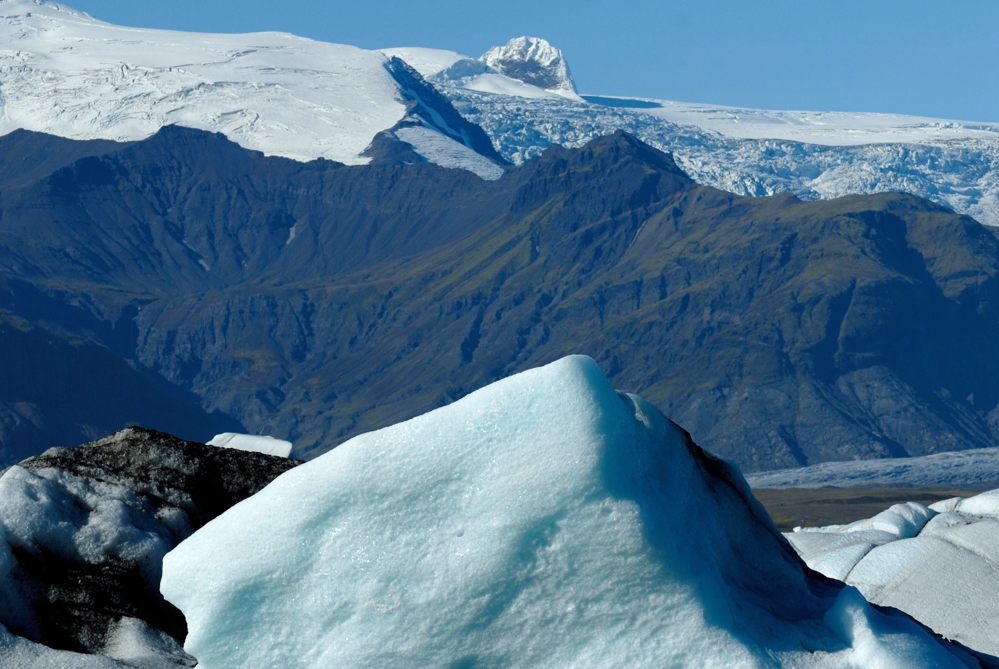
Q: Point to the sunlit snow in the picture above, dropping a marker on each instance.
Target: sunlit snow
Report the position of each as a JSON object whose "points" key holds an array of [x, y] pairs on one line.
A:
{"points": [[68, 74]]}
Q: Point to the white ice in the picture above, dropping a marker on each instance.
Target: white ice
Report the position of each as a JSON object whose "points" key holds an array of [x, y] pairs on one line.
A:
{"points": [[19, 653], [252, 442], [937, 563], [544, 520]]}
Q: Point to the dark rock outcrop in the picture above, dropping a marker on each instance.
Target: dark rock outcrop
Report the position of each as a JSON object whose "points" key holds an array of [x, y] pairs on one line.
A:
{"points": [[83, 532]]}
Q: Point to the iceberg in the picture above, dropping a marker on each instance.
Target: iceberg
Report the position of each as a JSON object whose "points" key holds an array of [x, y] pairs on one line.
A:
{"points": [[545, 520], [936, 563]]}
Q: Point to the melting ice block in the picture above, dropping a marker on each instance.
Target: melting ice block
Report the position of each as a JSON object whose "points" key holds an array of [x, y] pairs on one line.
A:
{"points": [[936, 563], [545, 520], [252, 442]]}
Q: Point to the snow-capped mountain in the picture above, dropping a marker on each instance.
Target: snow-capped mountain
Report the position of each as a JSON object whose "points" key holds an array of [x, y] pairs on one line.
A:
{"points": [[525, 72], [66, 73]]}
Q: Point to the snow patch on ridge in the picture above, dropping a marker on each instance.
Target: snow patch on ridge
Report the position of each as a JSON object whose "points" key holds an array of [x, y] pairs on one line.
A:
{"points": [[427, 62], [542, 521], [446, 152]]}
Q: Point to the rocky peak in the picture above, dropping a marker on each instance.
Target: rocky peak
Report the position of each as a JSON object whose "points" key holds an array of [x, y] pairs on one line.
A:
{"points": [[534, 61]]}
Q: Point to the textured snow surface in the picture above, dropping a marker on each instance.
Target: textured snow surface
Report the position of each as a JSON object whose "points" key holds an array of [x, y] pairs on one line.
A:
{"points": [[19, 653], [937, 563], [818, 127], [252, 442], [542, 521], [80, 520], [976, 469], [66, 73], [445, 152]]}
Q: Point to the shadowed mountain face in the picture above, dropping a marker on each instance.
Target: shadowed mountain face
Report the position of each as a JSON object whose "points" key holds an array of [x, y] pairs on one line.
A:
{"points": [[313, 301]]}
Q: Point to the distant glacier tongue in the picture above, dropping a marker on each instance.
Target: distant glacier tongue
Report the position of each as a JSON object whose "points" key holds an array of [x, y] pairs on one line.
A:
{"points": [[542, 521]]}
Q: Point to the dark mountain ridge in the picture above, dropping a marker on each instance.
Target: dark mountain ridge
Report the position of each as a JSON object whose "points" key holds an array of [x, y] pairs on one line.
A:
{"points": [[316, 300]]}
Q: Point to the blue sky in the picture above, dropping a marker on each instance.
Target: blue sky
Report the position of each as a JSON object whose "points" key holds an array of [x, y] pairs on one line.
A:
{"points": [[918, 57]]}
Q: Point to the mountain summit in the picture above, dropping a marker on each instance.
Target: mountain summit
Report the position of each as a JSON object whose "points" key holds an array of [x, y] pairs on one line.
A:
{"points": [[534, 61]]}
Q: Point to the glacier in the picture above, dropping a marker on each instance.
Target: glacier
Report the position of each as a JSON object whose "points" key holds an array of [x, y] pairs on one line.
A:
{"points": [[544, 520], [66, 73], [973, 469], [812, 155], [936, 563]]}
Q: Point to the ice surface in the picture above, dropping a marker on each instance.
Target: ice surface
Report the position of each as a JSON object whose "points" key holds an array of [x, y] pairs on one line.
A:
{"points": [[447, 153], [986, 504], [971, 469], [252, 442], [939, 564], [544, 520], [19, 653], [901, 521], [135, 643]]}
